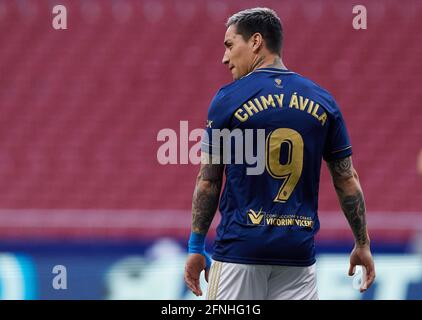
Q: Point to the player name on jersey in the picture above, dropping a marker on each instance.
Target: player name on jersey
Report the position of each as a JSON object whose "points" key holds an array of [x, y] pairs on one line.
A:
{"points": [[262, 103]]}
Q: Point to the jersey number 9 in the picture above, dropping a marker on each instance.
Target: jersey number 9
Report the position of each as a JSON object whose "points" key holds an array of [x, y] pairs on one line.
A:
{"points": [[291, 168]]}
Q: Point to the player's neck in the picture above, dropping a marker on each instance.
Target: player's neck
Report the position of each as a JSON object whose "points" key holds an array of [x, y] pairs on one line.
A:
{"points": [[267, 61], [273, 61]]}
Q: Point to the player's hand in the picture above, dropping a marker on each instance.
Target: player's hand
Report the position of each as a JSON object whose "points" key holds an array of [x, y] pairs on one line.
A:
{"points": [[361, 255], [195, 263]]}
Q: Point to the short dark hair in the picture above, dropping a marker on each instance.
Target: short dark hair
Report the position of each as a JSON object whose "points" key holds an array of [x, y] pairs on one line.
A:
{"points": [[262, 20]]}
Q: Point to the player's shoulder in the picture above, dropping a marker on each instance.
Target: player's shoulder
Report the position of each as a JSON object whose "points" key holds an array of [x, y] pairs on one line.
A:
{"points": [[310, 88], [229, 94], [237, 86]]}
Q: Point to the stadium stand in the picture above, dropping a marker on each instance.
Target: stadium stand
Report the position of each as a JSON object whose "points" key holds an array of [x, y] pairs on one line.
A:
{"points": [[81, 109]]}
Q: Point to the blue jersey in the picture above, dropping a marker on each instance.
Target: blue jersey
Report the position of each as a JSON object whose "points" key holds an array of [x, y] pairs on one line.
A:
{"points": [[272, 217]]}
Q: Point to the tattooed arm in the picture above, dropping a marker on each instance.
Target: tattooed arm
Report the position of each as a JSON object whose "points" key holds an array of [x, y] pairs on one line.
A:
{"points": [[206, 195], [350, 195], [204, 205]]}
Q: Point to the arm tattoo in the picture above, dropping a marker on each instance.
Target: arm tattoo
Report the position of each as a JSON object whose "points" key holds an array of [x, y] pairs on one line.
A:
{"points": [[341, 168], [206, 196], [351, 197], [354, 209]]}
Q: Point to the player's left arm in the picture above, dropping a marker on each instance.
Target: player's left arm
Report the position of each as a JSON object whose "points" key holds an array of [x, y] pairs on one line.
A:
{"points": [[350, 195], [204, 206]]}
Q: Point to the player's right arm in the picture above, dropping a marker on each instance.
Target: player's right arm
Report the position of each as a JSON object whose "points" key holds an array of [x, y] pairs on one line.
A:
{"points": [[207, 192], [204, 206], [350, 195]]}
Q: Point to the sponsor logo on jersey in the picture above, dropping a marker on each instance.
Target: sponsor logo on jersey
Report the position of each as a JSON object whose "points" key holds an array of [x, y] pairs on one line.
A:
{"points": [[256, 217], [262, 218]]}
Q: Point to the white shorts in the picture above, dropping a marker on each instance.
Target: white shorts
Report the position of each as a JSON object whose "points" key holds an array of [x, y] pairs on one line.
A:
{"points": [[233, 281]]}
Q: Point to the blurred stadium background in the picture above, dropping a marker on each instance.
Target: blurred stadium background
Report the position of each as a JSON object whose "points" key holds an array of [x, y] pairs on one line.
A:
{"points": [[80, 184]]}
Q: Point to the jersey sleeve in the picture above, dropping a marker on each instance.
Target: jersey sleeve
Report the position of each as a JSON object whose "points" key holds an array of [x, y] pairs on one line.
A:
{"points": [[218, 120], [337, 144]]}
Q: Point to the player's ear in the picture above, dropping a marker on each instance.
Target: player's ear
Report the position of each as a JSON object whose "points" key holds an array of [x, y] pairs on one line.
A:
{"points": [[257, 41]]}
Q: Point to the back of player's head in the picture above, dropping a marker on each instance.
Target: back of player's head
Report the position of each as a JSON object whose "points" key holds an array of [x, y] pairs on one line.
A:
{"points": [[262, 20]]}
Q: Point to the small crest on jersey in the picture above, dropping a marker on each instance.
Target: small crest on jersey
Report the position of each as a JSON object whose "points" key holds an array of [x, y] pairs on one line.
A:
{"points": [[255, 217], [278, 83]]}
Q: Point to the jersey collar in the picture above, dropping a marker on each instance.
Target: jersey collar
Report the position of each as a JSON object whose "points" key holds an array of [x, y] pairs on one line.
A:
{"points": [[283, 71]]}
